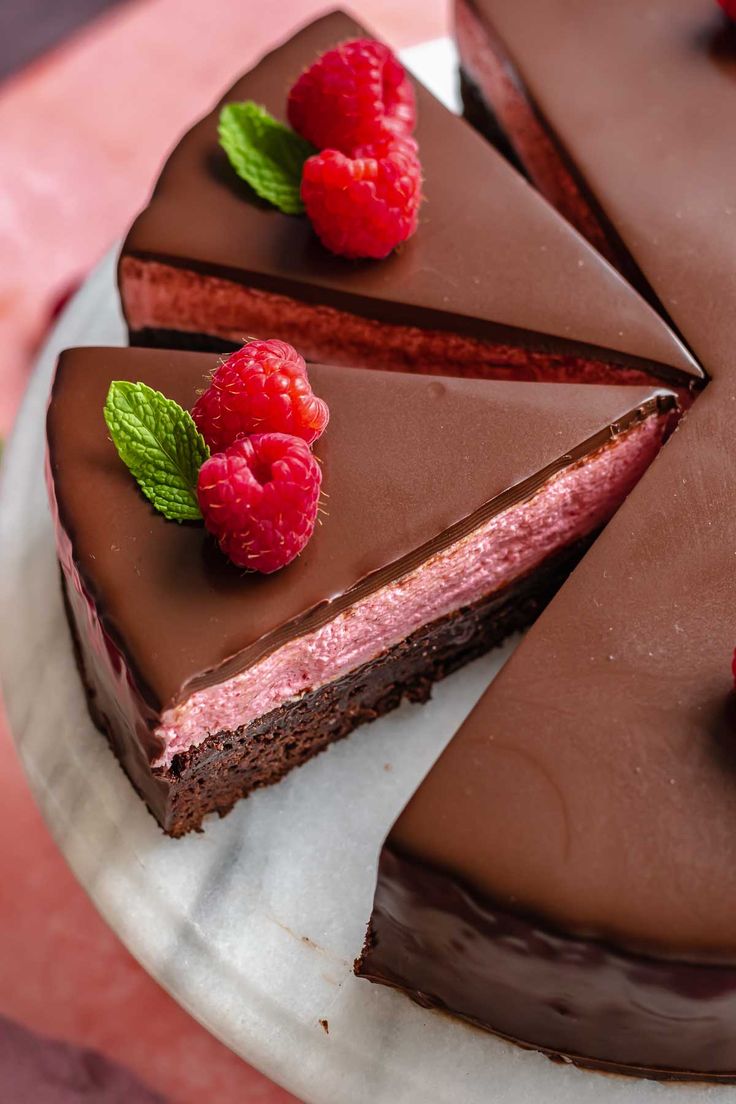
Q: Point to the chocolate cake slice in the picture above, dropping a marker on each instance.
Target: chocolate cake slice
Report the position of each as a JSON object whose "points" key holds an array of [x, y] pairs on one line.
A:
{"points": [[626, 125], [455, 509], [566, 875], [494, 283]]}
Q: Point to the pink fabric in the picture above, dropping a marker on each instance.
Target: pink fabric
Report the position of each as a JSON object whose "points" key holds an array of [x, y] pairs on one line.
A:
{"points": [[82, 133], [45, 1071], [572, 504]]}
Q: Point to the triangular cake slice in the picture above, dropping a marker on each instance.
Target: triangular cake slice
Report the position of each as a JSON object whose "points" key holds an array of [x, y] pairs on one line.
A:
{"points": [[455, 509], [566, 874], [494, 283], [623, 115]]}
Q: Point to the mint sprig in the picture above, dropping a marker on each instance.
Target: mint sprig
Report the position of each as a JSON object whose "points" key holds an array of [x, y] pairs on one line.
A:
{"points": [[265, 153], [160, 444]]}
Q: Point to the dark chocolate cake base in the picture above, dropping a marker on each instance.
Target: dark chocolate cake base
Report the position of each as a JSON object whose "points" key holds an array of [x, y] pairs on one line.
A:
{"points": [[227, 766], [150, 338]]}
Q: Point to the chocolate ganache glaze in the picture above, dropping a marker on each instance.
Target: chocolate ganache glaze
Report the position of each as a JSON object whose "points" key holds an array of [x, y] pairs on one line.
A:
{"points": [[159, 613], [493, 281], [566, 874], [638, 98]]}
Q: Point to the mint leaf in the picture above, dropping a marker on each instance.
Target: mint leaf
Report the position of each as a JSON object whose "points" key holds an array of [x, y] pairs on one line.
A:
{"points": [[160, 444], [265, 153]]}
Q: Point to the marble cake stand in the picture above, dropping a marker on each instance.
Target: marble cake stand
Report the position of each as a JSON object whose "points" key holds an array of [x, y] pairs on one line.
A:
{"points": [[253, 925]]}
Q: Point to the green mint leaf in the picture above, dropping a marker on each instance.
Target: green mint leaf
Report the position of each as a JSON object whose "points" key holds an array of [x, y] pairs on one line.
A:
{"points": [[265, 153], [160, 444]]}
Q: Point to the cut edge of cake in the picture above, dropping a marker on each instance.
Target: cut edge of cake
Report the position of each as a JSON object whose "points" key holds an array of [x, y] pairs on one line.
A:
{"points": [[198, 730], [563, 876], [526, 299]]}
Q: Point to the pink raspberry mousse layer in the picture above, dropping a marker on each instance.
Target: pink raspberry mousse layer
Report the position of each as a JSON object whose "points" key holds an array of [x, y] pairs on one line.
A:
{"points": [[162, 297], [487, 65], [569, 506]]}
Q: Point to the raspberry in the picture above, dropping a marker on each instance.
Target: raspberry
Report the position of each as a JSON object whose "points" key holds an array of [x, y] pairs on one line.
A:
{"points": [[729, 7], [272, 349], [352, 96], [261, 388], [366, 205], [259, 499]]}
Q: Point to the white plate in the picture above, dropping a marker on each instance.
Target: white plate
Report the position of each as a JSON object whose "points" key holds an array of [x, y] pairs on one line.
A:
{"points": [[253, 925]]}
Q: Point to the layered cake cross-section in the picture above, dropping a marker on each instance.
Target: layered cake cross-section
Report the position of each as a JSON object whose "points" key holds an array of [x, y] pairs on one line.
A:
{"points": [[626, 126], [455, 509], [565, 874], [493, 283]]}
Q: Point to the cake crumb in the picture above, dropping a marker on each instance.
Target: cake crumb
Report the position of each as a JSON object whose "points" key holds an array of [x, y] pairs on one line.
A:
{"points": [[325, 1026]]}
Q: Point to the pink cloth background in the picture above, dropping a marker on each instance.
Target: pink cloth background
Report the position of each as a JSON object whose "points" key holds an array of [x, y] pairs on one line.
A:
{"points": [[82, 133]]}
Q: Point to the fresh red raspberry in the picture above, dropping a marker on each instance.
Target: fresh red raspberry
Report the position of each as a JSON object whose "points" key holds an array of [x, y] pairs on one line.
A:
{"points": [[261, 388], [352, 96], [259, 499], [367, 205], [729, 7], [271, 350]]}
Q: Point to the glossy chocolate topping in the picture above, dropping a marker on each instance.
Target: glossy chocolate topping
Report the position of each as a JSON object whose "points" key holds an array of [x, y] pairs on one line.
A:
{"points": [[539, 986], [585, 813], [650, 120], [642, 96], [409, 463], [594, 785], [490, 258], [592, 795]]}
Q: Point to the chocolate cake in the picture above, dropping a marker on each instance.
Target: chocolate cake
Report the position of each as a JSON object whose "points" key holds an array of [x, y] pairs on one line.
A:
{"points": [[626, 126], [493, 283], [565, 876], [455, 509]]}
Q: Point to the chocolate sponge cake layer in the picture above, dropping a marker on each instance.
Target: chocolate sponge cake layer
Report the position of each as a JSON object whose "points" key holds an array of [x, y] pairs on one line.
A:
{"points": [[227, 766]]}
